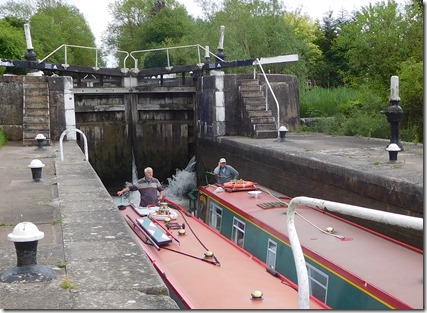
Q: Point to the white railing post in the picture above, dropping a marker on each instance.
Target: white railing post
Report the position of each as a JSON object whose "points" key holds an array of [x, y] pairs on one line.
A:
{"points": [[62, 138], [257, 62]]}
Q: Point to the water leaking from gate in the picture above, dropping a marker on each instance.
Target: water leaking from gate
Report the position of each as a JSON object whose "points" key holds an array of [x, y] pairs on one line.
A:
{"points": [[177, 187]]}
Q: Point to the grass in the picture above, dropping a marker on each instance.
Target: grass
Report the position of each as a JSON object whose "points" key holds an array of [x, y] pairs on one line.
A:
{"points": [[355, 112], [57, 221], [62, 265], [3, 139], [67, 284]]}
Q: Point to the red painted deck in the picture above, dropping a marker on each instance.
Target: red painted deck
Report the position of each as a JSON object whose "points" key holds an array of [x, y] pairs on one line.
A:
{"points": [[380, 264], [205, 286]]}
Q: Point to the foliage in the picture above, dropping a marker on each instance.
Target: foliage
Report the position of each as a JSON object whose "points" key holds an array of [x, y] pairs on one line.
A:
{"points": [[63, 23], [66, 283], [356, 112], [3, 139], [411, 90], [22, 10], [327, 102], [12, 44], [375, 43], [53, 23], [331, 63]]}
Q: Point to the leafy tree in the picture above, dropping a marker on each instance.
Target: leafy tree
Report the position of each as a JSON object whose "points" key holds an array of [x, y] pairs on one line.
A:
{"points": [[47, 37], [22, 10], [69, 25], [12, 43], [146, 24], [412, 93], [375, 44], [332, 63]]}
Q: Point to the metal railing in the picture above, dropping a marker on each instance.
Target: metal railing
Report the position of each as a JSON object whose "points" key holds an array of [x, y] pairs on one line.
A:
{"points": [[405, 221], [255, 63], [61, 149], [66, 65], [167, 49], [200, 49]]}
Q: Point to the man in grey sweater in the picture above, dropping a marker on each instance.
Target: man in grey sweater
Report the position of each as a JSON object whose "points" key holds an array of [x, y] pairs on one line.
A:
{"points": [[224, 172]]}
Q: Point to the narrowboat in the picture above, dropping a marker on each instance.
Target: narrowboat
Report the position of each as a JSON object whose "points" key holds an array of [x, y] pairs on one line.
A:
{"points": [[344, 264], [202, 268]]}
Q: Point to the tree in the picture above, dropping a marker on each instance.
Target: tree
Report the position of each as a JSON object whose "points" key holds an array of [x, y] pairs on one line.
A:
{"points": [[332, 63], [12, 43], [412, 95], [147, 24], [375, 44], [62, 22], [22, 10]]}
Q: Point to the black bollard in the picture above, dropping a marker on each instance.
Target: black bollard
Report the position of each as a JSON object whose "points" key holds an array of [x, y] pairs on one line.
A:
{"points": [[282, 133], [25, 236], [36, 169], [394, 115], [39, 139]]}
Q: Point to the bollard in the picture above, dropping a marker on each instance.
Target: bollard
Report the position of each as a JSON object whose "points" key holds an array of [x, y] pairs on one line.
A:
{"points": [[394, 115], [393, 149], [36, 169], [282, 132], [25, 236], [40, 138]]}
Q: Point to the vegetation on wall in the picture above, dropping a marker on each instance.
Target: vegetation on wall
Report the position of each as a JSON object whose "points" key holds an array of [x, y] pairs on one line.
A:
{"points": [[3, 139], [352, 56]]}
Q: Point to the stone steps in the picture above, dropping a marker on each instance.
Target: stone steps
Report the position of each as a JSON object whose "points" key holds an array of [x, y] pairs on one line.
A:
{"points": [[263, 124], [36, 115]]}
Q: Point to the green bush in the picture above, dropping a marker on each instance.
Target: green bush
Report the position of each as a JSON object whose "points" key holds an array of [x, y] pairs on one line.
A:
{"points": [[355, 112]]}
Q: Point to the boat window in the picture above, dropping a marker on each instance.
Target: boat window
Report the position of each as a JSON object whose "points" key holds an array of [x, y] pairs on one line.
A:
{"points": [[271, 253], [318, 282], [238, 233], [215, 216]]}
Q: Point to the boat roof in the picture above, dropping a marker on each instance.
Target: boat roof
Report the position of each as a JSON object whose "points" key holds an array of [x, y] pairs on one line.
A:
{"points": [[205, 285], [373, 261]]}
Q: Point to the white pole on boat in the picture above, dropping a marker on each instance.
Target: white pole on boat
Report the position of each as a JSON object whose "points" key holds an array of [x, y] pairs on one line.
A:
{"points": [[405, 221]]}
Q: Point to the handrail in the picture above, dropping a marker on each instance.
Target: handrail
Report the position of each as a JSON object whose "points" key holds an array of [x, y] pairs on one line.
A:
{"points": [[62, 138], [65, 65], [206, 49], [124, 69], [405, 221], [257, 62]]}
